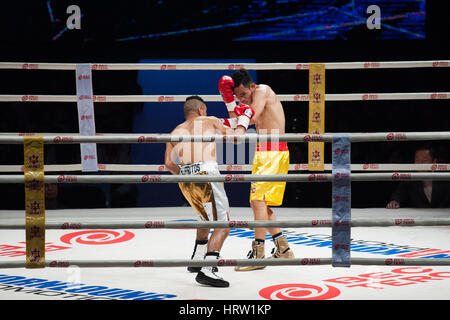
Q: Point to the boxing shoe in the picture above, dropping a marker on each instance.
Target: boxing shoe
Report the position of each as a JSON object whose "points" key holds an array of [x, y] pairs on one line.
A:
{"points": [[281, 249], [257, 252], [208, 277], [198, 253]]}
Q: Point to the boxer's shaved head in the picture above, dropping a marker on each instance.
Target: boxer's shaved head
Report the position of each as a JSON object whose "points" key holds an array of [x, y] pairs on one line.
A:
{"points": [[192, 104]]}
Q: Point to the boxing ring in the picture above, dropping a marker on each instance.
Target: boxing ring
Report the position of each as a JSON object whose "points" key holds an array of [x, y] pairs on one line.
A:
{"points": [[110, 254]]}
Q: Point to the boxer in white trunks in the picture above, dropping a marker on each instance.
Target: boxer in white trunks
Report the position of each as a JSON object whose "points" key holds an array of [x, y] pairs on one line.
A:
{"points": [[208, 199]]}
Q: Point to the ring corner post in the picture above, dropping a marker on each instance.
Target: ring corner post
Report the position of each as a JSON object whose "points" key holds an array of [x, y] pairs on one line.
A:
{"points": [[34, 201], [341, 201]]}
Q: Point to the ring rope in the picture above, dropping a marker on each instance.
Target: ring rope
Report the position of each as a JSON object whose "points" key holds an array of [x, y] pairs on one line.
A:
{"points": [[229, 262], [288, 137], [218, 98], [150, 178], [235, 167], [297, 223], [228, 66]]}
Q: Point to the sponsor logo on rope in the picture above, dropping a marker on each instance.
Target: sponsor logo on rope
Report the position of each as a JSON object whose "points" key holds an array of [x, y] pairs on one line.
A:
{"points": [[154, 224], [310, 261], [234, 168], [151, 178], [143, 263], [396, 136], [99, 67], [401, 176], [302, 66], [321, 222], [59, 139], [312, 137], [368, 65], [439, 167], [226, 262], [30, 98], [68, 178], [373, 166], [99, 99], [369, 97], [30, 66], [440, 64], [144, 139], [301, 97], [59, 264], [317, 177], [438, 96], [301, 166], [168, 67], [235, 66], [71, 225], [232, 224], [166, 99], [234, 177], [404, 221]]}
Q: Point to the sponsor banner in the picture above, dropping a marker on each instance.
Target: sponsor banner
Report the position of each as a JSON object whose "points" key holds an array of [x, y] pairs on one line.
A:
{"points": [[97, 237], [299, 291], [86, 118], [34, 201], [337, 287], [357, 245], [71, 240], [72, 290], [316, 115]]}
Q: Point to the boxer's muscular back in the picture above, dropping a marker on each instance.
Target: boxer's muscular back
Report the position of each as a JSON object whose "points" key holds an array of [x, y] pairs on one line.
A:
{"points": [[192, 152]]}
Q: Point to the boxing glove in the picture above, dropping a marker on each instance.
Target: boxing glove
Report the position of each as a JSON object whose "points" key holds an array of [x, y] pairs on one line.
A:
{"points": [[226, 86], [244, 114]]}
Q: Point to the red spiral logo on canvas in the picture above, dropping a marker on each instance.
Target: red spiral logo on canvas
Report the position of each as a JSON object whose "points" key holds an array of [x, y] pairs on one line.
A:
{"points": [[97, 237], [299, 291]]}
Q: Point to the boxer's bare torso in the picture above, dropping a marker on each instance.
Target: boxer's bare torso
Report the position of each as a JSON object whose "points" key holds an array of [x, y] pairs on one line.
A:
{"points": [[269, 115]]}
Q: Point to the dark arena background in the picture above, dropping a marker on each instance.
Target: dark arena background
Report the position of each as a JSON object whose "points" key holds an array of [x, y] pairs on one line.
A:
{"points": [[221, 31]]}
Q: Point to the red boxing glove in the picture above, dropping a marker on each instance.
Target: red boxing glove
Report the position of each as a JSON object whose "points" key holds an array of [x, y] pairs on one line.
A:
{"points": [[226, 86], [244, 114]]}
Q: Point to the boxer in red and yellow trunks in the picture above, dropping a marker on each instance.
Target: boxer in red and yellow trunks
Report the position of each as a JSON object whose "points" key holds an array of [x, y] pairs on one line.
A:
{"points": [[271, 158]]}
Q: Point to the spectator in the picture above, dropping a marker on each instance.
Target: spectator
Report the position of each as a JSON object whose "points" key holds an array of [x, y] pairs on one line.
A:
{"points": [[421, 194]]}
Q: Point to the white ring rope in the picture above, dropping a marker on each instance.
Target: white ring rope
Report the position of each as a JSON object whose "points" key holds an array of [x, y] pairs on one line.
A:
{"points": [[149, 178], [234, 167], [297, 223], [218, 98], [229, 66], [288, 137], [228, 262]]}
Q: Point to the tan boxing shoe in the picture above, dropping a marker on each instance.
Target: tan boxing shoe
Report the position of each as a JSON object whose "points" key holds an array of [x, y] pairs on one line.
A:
{"points": [[282, 249], [257, 252]]}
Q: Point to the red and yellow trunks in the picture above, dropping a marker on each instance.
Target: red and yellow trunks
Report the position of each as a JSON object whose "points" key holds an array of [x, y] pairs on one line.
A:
{"points": [[270, 158]]}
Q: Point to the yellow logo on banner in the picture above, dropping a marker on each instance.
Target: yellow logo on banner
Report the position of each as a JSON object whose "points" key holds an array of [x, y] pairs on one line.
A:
{"points": [[34, 201], [316, 115]]}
